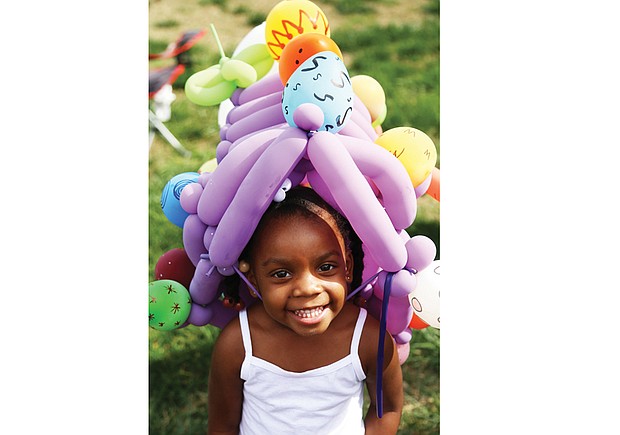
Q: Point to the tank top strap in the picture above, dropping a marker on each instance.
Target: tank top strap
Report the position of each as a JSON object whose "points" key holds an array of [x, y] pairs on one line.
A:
{"points": [[246, 371], [245, 332], [355, 342]]}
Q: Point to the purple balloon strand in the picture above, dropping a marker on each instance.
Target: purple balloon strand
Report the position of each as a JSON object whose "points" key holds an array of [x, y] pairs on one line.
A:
{"points": [[381, 349]]}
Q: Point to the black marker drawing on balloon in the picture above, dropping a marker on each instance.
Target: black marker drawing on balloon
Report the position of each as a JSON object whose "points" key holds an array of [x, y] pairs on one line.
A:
{"points": [[341, 83], [317, 76], [315, 62], [339, 122], [297, 85], [325, 97]]}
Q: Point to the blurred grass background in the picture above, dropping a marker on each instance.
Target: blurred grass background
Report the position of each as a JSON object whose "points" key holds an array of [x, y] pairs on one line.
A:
{"points": [[394, 41]]}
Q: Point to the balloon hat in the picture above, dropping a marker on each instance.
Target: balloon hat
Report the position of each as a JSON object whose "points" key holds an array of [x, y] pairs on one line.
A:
{"points": [[305, 124]]}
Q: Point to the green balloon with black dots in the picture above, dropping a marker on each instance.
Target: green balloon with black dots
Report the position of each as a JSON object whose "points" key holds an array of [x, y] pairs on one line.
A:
{"points": [[169, 304]]}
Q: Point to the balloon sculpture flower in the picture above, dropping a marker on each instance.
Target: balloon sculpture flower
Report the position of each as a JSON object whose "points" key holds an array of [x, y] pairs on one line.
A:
{"points": [[309, 122]]}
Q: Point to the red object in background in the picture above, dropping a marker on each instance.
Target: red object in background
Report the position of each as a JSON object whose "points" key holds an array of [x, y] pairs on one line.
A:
{"points": [[160, 77], [417, 323], [175, 265], [181, 45]]}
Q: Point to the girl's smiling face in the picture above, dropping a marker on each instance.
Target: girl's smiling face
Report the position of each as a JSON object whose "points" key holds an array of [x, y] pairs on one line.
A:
{"points": [[301, 268]]}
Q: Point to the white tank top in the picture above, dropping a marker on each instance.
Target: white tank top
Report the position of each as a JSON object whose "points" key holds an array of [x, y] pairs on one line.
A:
{"points": [[325, 400]]}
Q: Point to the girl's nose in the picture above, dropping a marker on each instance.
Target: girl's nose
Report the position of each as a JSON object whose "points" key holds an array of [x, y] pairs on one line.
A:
{"points": [[307, 285]]}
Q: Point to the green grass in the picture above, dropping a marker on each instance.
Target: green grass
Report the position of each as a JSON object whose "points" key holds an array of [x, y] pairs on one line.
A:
{"points": [[404, 58]]}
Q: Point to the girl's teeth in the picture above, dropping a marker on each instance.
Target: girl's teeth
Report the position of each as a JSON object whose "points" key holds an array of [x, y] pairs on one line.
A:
{"points": [[313, 312]]}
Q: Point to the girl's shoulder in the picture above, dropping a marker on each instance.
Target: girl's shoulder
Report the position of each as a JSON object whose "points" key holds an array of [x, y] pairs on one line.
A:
{"points": [[229, 343], [369, 341]]}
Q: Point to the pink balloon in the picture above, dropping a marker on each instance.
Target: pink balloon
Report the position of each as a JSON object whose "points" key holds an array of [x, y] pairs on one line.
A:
{"points": [[250, 107], [308, 117], [208, 237], [221, 314], [356, 199], [254, 196], [317, 183], [362, 110], [221, 150], [223, 130], [190, 196], [399, 315], [193, 230], [199, 315], [423, 186], [403, 283], [267, 85], [259, 137], [204, 286], [361, 117], [352, 129], [421, 252], [390, 177], [370, 269], [403, 352], [203, 178], [403, 337], [226, 179], [267, 117]]}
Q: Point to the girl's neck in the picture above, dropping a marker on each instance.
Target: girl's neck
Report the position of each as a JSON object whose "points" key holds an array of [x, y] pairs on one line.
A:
{"points": [[279, 345]]}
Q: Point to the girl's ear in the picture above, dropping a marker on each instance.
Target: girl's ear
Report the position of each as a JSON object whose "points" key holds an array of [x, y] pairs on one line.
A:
{"points": [[244, 267], [349, 266]]}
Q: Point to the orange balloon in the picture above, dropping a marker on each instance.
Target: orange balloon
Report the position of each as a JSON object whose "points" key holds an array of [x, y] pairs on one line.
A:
{"points": [[433, 188], [300, 49], [417, 323]]}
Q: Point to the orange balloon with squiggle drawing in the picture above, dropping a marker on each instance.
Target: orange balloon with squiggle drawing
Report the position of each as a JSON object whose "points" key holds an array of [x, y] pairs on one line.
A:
{"points": [[290, 18]]}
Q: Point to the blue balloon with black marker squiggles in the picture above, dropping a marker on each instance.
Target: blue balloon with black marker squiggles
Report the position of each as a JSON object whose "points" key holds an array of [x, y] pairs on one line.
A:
{"points": [[322, 80], [171, 197]]}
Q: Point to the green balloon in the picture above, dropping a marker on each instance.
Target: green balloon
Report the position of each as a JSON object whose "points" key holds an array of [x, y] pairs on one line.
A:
{"points": [[169, 304]]}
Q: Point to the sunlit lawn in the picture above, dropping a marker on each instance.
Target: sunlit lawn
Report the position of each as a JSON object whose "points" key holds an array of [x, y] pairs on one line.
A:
{"points": [[404, 58]]}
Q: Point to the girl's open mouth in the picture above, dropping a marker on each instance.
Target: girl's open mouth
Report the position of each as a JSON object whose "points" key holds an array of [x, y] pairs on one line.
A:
{"points": [[309, 313], [309, 316]]}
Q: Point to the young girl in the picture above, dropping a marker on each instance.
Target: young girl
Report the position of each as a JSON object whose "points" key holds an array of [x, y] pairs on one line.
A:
{"points": [[296, 361]]}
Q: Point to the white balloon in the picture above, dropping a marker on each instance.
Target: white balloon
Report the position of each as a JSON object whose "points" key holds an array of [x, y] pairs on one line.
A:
{"points": [[425, 297]]}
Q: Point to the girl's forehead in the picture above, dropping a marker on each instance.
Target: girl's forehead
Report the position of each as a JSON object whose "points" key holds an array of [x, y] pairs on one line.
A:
{"points": [[296, 225]]}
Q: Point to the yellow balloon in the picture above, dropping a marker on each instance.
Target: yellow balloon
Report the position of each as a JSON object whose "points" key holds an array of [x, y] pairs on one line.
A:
{"points": [[415, 150], [208, 166], [372, 95], [290, 18]]}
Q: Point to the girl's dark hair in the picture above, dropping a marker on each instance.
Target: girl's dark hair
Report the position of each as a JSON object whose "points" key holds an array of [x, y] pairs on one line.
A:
{"points": [[305, 201]]}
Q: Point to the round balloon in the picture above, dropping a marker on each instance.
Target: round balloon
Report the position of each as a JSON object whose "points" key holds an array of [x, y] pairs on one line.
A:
{"points": [[415, 150], [171, 197], [175, 265], [372, 95], [425, 297], [301, 49], [417, 323], [169, 304], [321, 80], [290, 18], [208, 166]]}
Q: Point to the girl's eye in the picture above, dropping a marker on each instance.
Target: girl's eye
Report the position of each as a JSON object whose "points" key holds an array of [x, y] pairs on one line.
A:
{"points": [[280, 274], [326, 267]]}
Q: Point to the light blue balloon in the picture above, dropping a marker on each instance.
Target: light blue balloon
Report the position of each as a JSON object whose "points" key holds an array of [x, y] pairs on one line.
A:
{"points": [[171, 197], [322, 80]]}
